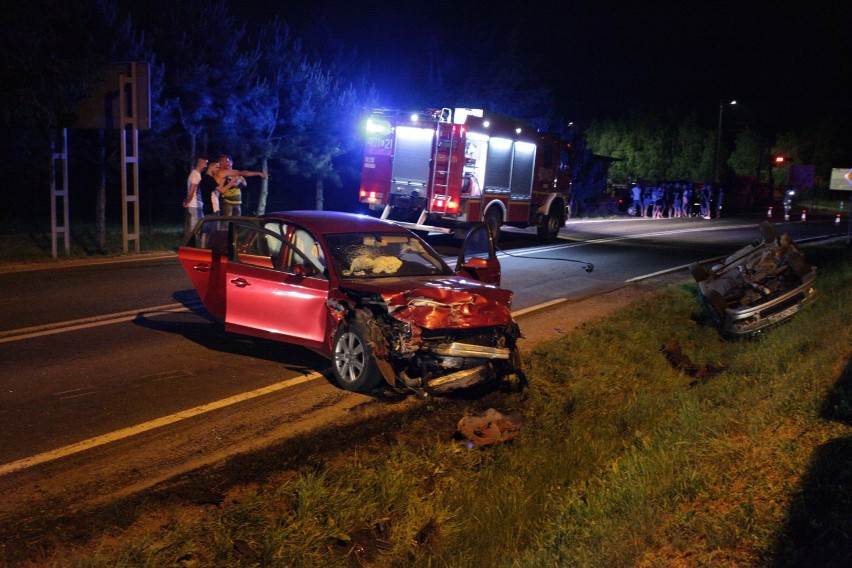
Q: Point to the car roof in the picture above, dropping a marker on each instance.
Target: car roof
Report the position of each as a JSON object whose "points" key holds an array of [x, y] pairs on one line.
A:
{"points": [[330, 222]]}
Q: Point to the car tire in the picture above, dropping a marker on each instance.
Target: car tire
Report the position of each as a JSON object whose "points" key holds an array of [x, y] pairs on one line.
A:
{"points": [[717, 306], [768, 232], [698, 272], [352, 360]]}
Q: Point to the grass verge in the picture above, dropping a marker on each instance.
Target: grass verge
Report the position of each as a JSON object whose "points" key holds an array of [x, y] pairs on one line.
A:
{"points": [[26, 245], [623, 460]]}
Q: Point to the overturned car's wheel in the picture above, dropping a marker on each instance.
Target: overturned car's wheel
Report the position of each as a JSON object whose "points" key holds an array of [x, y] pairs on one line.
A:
{"points": [[768, 232], [698, 272], [716, 305], [352, 360]]}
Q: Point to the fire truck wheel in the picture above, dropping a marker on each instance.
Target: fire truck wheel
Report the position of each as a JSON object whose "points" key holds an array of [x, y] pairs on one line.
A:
{"points": [[548, 231], [493, 218]]}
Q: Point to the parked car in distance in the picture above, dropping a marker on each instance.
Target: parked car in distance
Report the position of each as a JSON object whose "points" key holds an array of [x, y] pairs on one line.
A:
{"points": [[761, 285], [371, 296]]}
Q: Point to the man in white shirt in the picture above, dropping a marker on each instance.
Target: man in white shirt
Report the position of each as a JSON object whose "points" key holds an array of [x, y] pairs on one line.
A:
{"points": [[193, 203]]}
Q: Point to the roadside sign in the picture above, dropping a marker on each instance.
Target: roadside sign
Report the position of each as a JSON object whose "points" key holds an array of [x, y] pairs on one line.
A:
{"points": [[838, 179]]}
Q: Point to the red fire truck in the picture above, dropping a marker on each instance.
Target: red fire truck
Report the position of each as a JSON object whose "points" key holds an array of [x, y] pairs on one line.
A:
{"points": [[442, 170]]}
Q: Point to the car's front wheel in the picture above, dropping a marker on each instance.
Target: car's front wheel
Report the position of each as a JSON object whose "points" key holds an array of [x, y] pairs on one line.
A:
{"points": [[353, 363]]}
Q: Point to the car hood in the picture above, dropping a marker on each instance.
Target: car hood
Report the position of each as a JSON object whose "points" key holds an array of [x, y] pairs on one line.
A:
{"points": [[452, 302]]}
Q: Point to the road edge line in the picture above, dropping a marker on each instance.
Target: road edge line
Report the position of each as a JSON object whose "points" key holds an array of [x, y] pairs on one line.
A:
{"points": [[104, 439]]}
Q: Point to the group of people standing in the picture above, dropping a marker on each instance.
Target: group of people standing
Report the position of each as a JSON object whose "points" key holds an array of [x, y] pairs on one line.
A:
{"points": [[214, 188], [676, 199]]}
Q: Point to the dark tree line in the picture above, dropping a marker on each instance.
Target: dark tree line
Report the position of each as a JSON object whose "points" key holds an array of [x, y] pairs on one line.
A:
{"points": [[671, 146], [279, 101], [290, 103], [258, 94]]}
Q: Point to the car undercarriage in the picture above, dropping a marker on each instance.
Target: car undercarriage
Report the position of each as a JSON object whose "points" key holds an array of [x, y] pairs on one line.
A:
{"points": [[759, 286]]}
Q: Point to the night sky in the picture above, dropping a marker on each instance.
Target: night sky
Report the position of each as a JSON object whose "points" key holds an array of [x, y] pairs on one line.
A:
{"points": [[784, 62]]}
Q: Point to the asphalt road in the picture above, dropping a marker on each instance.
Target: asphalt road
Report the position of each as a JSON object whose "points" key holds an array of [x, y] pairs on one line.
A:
{"points": [[625, 249], [88, 350]]}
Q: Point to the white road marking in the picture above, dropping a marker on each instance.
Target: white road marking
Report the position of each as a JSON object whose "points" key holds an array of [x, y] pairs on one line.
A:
{"points": [[538, 250], [75, 393], [538, 307], [150, 425], [74, 263], [84, 323]]}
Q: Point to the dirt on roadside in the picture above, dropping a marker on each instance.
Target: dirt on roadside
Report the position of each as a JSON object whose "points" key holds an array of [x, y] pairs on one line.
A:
{"points": [[566, 316]]}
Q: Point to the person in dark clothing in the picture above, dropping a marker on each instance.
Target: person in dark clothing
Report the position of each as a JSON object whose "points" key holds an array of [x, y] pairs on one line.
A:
{"points": [[209, 188]]}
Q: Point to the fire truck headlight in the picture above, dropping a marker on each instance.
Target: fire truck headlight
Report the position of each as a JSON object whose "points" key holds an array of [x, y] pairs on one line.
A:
{"points": [[377, 126]]}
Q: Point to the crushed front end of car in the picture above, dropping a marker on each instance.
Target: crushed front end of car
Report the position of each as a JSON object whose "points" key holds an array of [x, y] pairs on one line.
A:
{"points": [[436, 340], [759, 286]]}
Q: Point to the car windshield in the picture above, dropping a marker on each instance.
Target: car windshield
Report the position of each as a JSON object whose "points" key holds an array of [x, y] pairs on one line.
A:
{"points": [[382, 255]]}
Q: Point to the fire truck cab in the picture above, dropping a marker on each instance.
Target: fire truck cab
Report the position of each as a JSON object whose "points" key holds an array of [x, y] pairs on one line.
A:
{"points": [[444, 170]]}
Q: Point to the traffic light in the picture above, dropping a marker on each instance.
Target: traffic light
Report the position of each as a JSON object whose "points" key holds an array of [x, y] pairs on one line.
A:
{"points": [[779, 160]]}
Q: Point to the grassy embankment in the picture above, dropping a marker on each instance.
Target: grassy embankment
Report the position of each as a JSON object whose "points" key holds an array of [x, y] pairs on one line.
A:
{"points": [[25, 245], [623, 461]]}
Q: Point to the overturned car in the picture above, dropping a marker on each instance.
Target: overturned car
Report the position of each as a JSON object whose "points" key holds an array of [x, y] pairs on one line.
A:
{"points": [[759, 286], [368, 294]]}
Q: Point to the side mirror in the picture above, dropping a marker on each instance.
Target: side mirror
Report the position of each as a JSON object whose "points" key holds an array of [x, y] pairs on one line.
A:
{"points": [[476, 263]]}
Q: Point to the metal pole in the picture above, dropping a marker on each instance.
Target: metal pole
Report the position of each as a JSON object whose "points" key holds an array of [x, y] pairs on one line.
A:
{"points": [[718, 144], [848, 177], [59, 190]]}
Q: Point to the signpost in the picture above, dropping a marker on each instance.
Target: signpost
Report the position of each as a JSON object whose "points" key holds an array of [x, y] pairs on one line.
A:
{"points": [[120, 99], [840, 182]]}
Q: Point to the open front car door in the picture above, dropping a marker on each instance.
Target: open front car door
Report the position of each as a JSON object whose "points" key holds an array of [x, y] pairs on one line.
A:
{"points": [[478, 256]]}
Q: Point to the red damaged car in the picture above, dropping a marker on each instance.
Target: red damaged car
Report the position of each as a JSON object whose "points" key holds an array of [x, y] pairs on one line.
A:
{"points": [[368, 294]]}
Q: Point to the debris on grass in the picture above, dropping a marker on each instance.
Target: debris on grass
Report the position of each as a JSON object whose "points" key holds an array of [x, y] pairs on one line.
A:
{"points": [[490, 427]]}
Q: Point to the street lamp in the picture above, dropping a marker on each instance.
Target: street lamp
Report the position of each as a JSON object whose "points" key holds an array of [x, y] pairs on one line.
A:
{"points": [[719, 141]]}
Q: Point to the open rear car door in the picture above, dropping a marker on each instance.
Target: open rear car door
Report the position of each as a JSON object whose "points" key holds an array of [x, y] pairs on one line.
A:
{"points": [[272, 289], [204, 258]]}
